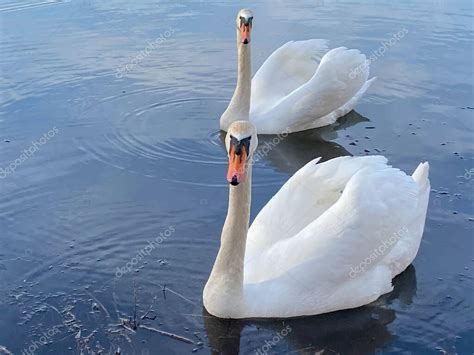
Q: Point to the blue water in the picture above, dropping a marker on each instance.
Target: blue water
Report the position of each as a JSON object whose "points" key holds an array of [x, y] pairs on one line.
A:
{"points": [[129, 94]]}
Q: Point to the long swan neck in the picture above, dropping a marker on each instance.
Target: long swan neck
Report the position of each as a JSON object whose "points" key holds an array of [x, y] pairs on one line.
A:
{"points": [[234, 233], [239, 106], [223, 293], [243, 90]]}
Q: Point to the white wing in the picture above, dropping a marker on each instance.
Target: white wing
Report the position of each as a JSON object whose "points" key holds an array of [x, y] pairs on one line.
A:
{"points": [[318, 265], [322, 201], [333, 90], [302, 199], [286, 69]]}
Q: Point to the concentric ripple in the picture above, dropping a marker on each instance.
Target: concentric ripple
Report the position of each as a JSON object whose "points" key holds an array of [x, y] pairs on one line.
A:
{"points": [[144, 138]]}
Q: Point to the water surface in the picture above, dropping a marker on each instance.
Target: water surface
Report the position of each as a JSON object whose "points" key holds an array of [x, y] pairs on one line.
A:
{"points": [[129, 95]]}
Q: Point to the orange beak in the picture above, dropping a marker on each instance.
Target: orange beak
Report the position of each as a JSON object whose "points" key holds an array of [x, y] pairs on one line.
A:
{"points": [[245, 33], [236, 172]]}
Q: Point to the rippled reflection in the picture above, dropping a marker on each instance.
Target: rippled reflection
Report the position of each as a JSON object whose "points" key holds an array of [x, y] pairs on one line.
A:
{"points": [[289, 154]]}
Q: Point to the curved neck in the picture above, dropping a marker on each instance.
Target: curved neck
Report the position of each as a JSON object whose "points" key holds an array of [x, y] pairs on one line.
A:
{"points": [[224, 289], [239, 106]]}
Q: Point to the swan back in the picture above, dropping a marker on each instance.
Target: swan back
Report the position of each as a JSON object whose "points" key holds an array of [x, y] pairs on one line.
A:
{"points": [[308, 244], [332, 238], [296, 90]]}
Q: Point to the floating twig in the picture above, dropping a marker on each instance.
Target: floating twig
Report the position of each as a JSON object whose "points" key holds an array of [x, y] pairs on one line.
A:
{"points": [[171, 335], [126, 323]]}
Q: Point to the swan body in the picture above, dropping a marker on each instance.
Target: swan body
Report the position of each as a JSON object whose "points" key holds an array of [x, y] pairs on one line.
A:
{"points": [[332, 238], [300, 86], [295, 90]]}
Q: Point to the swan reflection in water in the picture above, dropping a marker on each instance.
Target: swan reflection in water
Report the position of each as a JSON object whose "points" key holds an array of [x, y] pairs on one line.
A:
{"points": [[288, 153], [356, 331]]}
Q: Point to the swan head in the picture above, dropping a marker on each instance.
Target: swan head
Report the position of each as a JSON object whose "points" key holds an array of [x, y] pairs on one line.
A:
{"points": [[244, 25], [241, 142]]}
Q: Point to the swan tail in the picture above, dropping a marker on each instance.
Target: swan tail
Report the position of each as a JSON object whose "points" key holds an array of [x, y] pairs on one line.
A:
{"points": [[420, 175]]}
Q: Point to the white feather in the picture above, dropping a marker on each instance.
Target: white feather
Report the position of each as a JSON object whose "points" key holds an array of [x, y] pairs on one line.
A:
{"points": [[299, 87], [324, 223]]}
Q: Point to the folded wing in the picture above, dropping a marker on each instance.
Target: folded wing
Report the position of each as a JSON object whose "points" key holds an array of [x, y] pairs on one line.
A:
{"points": [[330, 217], [286, 69]]}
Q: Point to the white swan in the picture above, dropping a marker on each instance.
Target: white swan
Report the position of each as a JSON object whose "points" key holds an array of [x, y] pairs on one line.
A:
{"points": [[332, 238], [295, 89]]}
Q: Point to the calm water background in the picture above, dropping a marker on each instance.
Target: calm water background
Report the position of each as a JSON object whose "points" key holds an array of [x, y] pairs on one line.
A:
{"points": [[134, 152]]}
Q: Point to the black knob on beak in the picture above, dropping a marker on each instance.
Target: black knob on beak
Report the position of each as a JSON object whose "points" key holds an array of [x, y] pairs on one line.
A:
{"points": [[234, 181]]}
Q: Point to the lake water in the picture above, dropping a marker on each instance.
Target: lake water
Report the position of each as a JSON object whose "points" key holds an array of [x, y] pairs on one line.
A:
{"points": [[129, 93]]}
